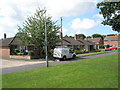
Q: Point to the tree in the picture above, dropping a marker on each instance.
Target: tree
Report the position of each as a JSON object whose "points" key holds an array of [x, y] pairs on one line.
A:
{"points": [[111, 34], [70, 36], [88, 37], [66, 35], [97, 35], [33, 31], [108, 10], [82, 36]]}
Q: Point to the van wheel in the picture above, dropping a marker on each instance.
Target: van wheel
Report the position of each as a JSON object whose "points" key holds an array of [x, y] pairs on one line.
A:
{"points": [[64, 57]]}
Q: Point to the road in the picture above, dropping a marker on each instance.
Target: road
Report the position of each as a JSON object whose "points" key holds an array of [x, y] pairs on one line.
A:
{"points": [[40, 65]]}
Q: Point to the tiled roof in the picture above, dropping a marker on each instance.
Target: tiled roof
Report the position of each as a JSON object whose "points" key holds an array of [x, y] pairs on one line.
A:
{"points": [[64, 42], [15, 41], [5, 42], [112, 38], [85, 42], [72, 41], [95, 40]]}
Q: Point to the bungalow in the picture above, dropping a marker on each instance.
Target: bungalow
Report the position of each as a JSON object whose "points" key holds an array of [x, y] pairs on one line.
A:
{"points": [[9, 44], [113, 41], [76, 43], [98, 41]]}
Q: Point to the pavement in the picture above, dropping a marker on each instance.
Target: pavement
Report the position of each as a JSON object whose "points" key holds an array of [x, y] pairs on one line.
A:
{"points": [[11, 65]]}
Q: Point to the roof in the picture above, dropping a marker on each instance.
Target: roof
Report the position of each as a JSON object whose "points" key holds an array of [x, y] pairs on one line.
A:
{"points": [[5, 42], [10, 41], [95, 40], [72, 41], [85, 42], [113, 38], [65, 42], [15, 41]]}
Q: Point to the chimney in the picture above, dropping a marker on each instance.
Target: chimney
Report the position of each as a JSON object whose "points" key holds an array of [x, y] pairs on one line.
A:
{"points": [[60, 36], [4, 35], [75, 36]]}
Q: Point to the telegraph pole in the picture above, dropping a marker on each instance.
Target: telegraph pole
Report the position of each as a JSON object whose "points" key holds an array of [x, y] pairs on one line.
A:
{"points": [[46, 43], [61, 33]]}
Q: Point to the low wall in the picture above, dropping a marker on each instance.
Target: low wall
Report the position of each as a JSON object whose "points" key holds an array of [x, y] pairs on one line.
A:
{"points": [[20, 57]]}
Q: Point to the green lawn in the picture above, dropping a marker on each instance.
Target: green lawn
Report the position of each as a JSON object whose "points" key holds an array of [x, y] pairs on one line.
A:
{"points": [[99, 72], [94, 53]]}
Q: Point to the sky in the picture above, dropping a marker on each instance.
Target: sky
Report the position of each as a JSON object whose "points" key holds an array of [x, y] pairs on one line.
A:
{"points": [[79, 16]]}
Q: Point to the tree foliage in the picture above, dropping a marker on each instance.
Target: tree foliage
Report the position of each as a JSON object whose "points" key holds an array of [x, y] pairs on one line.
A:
{"points": [[108, 10], [88, 37], [33, 30], [82, 36], [97, 35]]}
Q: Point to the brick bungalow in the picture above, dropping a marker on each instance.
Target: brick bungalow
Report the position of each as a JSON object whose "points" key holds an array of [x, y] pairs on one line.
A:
{"points": [[114, 41], [4, 47]]}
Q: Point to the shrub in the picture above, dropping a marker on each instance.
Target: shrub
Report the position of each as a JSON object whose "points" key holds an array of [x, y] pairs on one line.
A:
{"points": [[51, 51], [86, 51], [102, 46], [31, 53], [20, 54], [107, 46], [22, 50], [16, 51]]}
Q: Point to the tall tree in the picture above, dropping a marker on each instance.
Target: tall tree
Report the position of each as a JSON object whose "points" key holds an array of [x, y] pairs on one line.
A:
{"points": [[109, 10], [97, 35], [33, 31], [82, 36]]}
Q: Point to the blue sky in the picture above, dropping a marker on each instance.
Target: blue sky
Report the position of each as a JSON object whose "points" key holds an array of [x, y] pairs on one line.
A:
{"points": [[79, 16]]}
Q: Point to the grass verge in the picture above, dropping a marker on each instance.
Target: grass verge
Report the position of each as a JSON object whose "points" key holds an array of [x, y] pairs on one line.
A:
{"points": [[94, 53], [99, 72]]}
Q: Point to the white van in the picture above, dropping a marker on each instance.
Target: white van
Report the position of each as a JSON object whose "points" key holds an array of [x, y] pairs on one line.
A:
{"points": [[63, 53]]}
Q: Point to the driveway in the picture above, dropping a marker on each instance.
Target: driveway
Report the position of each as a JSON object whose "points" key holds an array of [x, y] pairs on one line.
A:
{"points": [[7, 63], [21, 65]]}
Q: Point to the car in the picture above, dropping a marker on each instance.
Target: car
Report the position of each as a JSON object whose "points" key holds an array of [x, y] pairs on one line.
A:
{"points": [[111, 48], [63, 53]]}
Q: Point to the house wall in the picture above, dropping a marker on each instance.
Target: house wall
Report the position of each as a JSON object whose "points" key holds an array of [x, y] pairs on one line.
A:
{"points": [[113, 43], [5, 52]]}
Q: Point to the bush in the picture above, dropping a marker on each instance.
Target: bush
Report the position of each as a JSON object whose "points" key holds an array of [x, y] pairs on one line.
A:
{"points": [[51, 51], [77, 51], [102, 46], [16, 51], [80, 51], [20, 54], [22, 50], [107, 46], [31, 53]]}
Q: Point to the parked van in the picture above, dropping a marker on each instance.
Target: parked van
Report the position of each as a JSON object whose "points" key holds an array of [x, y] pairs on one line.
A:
{"points": [[63, 53]]}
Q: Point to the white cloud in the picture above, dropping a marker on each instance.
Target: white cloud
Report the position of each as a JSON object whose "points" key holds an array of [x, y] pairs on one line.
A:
{"points": [[14, 12], [99, 16], [81, 25]]}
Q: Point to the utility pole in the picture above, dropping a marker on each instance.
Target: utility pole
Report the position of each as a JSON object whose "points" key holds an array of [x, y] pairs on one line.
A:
{"points": [[61, 33], [46, 42]]}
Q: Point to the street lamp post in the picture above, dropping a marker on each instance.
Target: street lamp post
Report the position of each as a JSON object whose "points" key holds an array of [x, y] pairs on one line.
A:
{"points": [[46, 43]]}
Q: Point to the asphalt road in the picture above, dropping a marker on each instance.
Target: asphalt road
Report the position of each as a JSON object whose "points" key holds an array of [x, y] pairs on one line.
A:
{"points": [[40, 65]]}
